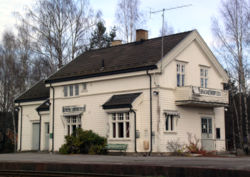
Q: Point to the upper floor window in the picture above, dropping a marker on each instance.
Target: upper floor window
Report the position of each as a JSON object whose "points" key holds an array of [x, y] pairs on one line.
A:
{"points": [[204, 77], [71, 90], [180, 68], [120, 125]]}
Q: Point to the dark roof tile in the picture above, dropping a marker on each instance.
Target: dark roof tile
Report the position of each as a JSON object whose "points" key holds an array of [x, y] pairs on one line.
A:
{"points": [[120, 101], [35, 93], [140, 55]]}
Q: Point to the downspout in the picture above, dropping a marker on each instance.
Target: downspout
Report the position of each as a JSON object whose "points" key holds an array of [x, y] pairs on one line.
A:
{"points": [[53, 117], [21, 126], [40, 118], [131, 110], [150, 95]]}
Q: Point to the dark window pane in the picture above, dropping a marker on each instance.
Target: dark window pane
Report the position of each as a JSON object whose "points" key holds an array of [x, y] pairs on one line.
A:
{"points": [[178, 80], [171, 123], [204, 125], [65, 90], [166, 123], [76, 89], [48, 128], [127, 129], [71, 90], [114, 130], [120, 130], [74, 129], [68, 130], [183, 80], [218, 133]]}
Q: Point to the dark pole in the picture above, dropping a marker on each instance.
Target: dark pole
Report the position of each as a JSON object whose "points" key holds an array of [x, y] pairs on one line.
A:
{"points": [[131, 110], [150, 95]]}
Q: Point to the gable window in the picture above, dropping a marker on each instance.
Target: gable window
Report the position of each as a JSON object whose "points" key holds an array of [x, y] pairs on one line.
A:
{"points": [[180, 68], [73, 122], [204, 77], [120, 125]]}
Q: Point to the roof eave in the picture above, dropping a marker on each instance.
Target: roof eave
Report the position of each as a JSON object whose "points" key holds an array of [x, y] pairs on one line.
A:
{"points": [[150, 67]]}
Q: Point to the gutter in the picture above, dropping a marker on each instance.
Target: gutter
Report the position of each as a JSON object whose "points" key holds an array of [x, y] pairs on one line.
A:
{"points": [[40, 118], [21, 126], [131, 110], [53, 117], [150, 95]]}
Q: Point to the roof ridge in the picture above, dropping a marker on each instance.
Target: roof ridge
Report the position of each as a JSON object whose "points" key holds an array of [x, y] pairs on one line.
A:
{"points": [[134, 42]]}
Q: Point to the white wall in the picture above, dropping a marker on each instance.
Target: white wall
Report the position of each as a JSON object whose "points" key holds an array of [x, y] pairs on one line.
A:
{"points": [[30, 116]]}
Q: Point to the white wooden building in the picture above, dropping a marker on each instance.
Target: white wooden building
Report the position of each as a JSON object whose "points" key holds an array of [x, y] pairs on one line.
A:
{"points": [[131, 95]]}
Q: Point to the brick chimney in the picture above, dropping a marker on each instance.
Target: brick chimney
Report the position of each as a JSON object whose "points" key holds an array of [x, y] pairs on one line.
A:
{"points": [[116, 42], [141, 34]]}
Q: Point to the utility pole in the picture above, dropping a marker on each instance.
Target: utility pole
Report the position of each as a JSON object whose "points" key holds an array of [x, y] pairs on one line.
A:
{"points": [[162, 31]]}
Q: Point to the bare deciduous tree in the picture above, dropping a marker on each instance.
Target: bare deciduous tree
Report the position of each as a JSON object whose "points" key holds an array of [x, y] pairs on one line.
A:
{"points": [[128, 16], [59, 28], [233, 45]]}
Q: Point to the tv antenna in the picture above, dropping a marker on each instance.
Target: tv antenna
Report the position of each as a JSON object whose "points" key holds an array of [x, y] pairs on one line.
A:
{"points": [[162, 31]]}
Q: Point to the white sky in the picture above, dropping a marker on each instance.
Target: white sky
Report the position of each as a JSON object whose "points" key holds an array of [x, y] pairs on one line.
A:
{"points": [[198, 16]]}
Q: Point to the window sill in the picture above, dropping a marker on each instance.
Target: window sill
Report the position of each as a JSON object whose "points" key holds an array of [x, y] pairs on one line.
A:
{"points": [[119, 139], [170, 132]]}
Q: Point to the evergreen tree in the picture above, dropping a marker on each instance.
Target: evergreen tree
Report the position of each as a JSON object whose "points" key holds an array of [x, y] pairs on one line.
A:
{"points": [[100, 38]]}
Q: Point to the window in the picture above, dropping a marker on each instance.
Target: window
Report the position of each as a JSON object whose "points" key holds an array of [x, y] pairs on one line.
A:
{"points": [[71, 90], [217, 133], [65, 90], [84, 87], [73, 122], [120, 125], [204, 77], [169, 123], [180, 74], [76, 89]]}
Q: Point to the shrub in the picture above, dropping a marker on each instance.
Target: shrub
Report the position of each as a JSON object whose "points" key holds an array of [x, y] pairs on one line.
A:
{"points": [[175, 147], [84, 142], [193, 145]]}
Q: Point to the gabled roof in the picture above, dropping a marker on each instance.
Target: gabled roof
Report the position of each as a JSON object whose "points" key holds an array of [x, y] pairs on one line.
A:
{"points": [[135, 56], [44, 106], [121, 101], [37, 92]]}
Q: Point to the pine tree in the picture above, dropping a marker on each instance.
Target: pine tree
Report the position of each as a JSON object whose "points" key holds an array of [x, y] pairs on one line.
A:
{"points": [[100, 38]]}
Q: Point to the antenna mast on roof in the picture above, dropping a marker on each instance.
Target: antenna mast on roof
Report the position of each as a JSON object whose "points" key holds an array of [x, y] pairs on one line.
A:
{"points": [[162, 31]]}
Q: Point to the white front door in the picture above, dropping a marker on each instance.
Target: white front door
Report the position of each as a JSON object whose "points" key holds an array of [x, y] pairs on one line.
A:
{"points": [[207, 140]]}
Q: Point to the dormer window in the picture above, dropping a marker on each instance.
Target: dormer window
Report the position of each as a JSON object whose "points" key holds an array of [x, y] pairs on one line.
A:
{"points": [[180, 68]]}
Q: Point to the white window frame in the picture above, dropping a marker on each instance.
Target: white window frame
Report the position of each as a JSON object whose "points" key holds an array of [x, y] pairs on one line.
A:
{"points": [[72, 120], [203, 77], [180, 73], [71, 90], [118, 118]]}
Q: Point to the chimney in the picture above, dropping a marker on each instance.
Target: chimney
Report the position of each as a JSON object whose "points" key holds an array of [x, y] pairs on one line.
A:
{"points": [[116, 42], [141, 34]]}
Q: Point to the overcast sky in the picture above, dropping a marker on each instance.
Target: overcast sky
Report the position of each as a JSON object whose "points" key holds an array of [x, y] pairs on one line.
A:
{"points": [[198, 16]]}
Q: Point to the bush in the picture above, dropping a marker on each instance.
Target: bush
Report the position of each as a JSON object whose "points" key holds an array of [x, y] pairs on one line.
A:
{"points": [[175, 147], [84, 142], [193, 145]]}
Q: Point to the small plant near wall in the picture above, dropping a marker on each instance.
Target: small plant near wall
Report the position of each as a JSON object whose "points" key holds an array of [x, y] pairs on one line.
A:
{"points": [[176, 148], [84, 142], [193, 145]]}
